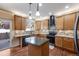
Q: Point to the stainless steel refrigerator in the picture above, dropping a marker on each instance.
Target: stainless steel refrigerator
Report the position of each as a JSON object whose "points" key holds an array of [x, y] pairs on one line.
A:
{"points": [[76, 34]]}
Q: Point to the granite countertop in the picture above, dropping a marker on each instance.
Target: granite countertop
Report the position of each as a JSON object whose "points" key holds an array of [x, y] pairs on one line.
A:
{"points": [[36, 41], [19, 33], [65, 33], [68, 36]]}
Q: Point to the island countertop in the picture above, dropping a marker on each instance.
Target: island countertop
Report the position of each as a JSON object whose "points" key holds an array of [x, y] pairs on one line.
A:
{"points": [[36, 41]]}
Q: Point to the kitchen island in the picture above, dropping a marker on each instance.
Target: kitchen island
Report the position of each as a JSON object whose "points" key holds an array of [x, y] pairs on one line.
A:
{"points": [[37, 46]]}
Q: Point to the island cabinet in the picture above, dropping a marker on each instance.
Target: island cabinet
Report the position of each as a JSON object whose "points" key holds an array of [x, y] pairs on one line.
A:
{"points": [[42, 50], [65, 43], [69, 21], [38, 47], [19, 23]]}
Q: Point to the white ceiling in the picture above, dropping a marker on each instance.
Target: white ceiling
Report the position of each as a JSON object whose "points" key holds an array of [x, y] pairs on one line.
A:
{"points": [[23, 8]]}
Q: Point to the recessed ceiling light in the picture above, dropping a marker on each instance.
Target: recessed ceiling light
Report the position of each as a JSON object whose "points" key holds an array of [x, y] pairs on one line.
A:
{"points": [[40, 4], [66, 7]]}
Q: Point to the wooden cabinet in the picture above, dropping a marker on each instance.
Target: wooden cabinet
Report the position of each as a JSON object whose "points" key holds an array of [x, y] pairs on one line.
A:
{"points": [[45, 24], [42, 50], [65, 22], [19, 23], [6, 15], [41, 25], [68, 43], [59, 22], [38, 25], [69, 21], [58, 41], [23, 23]]}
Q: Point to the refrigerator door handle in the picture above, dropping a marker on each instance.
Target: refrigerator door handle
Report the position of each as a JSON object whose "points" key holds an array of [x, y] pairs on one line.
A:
{"points": [[75, 35]]}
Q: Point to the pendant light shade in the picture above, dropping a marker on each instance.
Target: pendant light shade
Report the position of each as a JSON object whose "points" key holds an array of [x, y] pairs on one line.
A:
{"points": [[37, 12], [30, 13], [30, 17]]}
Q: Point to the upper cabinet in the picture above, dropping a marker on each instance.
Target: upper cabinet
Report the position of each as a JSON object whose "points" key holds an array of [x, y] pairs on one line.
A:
{"points": [[65, 22], [19, 23], [37, 25], [59, 23], [41, 24], [69, 21], [6, 15], [23, 23], [45, 24]]}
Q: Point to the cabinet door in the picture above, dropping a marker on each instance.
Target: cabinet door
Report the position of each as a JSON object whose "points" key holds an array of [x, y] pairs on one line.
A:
{"points": [[69, 21], [68, 43], [58, 41], [38, 25], [23, 23], [45, 24], [59, 22], [17, 22]]}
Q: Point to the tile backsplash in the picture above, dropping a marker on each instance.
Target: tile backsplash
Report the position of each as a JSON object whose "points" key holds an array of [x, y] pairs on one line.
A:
{"points": [[66, 32], [22, 32], [18, 32]]}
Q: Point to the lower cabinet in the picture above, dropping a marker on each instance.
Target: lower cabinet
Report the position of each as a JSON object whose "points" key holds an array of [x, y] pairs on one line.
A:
{"points": [[58, 41], [66, 43]]}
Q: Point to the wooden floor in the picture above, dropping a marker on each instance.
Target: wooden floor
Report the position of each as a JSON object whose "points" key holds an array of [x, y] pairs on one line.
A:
{"points": [[60, 52], [24, 52]]}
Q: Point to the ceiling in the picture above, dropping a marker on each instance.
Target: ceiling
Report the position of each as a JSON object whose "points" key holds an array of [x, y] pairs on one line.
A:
{"points": [[23, 8]]}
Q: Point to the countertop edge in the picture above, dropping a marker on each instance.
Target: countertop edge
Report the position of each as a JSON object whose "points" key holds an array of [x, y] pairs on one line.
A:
{"points": [[65, 36]]}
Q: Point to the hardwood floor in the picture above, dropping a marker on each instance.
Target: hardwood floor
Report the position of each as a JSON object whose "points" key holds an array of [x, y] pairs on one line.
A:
{"points": [[24, 52], [60, 52]]}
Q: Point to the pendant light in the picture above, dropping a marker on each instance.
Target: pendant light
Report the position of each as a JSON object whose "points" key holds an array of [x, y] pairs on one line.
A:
{"points": [[30, 12], [37, 12], [30, 22]]}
